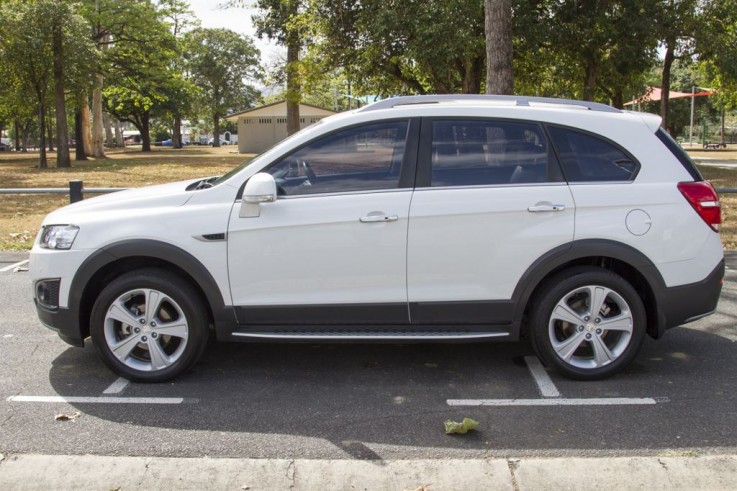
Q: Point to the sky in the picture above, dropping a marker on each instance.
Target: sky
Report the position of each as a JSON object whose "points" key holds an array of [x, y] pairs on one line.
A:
{"points": [[236, 19]]}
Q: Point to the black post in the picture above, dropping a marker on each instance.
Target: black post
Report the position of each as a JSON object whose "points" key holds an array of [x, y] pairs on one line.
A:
{"points": [[75, 191]]}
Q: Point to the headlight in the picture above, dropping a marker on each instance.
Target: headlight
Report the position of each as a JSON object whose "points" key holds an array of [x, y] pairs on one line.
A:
{"points": [[58, 236]]}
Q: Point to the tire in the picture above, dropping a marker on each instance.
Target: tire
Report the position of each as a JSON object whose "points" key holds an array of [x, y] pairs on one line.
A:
{"points": [[151, 346], [584, 343]]}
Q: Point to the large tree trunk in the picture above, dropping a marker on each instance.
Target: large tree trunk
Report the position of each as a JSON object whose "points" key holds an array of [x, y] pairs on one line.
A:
{"points": [[498, 25], [589, 85], [62, 136], [119, 139], [294, 94], [17, 136], [86, 134], [108, 128], [98, 130], [50, 134], [145, 130], [176, 137], [665, 82], [78, 136], [42, 162]]}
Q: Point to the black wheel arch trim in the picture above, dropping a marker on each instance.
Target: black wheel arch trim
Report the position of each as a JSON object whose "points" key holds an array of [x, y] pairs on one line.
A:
{"points": [[581, 249], [146, 249]]}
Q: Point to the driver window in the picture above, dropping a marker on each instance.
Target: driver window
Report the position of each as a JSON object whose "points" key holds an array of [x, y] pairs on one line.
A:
{"points": [[364, 158]]}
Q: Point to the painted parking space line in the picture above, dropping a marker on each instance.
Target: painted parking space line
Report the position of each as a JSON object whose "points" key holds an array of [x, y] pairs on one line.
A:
{"points": [[13, 266], [101, 400], [606, 401], [542, 379], [551, 395], [117, 387]]}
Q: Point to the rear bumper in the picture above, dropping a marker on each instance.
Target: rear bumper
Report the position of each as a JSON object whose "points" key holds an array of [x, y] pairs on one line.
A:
{"points": [[685, 303]]}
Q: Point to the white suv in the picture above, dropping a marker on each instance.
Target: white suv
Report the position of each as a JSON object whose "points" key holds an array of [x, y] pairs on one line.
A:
{"points": [[435, 218]]}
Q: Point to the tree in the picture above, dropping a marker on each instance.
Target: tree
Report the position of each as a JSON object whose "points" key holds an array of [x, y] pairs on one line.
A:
{"points": [[219, 62], [280, 20], [143, 77], [499, 71], [402, 46]]}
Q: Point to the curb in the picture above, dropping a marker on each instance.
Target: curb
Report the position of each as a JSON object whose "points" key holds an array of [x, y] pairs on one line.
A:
{"points": [[60, 472]]}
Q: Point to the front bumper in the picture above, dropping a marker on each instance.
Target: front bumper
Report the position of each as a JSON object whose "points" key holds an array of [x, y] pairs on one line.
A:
{"points": [[64, 321]]}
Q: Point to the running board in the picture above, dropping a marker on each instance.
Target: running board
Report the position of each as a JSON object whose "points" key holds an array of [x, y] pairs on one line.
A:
{"points": [[368, 335]]}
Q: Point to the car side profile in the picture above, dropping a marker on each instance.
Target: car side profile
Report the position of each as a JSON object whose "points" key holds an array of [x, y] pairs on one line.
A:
{"points": [[421, 218]]}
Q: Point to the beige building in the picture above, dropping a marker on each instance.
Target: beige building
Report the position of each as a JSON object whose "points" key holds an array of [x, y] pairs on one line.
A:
{"points": [[262, 127]]}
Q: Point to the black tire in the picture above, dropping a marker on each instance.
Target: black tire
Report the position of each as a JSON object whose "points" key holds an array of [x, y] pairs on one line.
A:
{"points": [[152, 346], [580, 344]]}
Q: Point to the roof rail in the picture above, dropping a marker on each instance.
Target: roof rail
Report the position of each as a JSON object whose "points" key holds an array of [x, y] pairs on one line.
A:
{"points": [[521, 100]]}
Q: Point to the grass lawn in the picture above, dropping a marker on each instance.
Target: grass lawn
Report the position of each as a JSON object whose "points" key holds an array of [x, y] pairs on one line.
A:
{"points": [[21, 215]]}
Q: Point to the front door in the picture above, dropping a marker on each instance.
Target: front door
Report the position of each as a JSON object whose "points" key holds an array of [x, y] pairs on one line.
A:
{"points": [[332, 248]]}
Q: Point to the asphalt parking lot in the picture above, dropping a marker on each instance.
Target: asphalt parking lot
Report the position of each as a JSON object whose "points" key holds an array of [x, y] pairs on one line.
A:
{"points": [[366, 401]]}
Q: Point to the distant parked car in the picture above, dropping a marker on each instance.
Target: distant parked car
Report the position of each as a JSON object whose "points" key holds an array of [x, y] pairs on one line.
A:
{"points": [[4, 147], [211, 142], [167, 143]]}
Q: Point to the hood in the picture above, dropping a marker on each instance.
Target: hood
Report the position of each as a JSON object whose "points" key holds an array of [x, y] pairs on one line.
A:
{"points": [[164, 195]]}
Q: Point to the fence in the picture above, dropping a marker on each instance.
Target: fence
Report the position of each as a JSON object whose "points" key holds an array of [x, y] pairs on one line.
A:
{"points": [[76, 191]]}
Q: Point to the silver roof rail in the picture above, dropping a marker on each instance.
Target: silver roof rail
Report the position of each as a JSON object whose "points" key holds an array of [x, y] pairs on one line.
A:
{"points": [[521, 100]]}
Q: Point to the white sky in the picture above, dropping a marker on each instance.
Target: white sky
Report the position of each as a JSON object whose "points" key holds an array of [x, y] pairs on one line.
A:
{"points": [[238, 20]]}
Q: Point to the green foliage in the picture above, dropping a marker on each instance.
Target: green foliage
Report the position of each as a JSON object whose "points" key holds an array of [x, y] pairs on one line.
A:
{"points": [[219, 62]]}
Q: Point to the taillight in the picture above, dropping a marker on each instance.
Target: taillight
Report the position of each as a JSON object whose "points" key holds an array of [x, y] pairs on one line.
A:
{"points": [[705, 201]]}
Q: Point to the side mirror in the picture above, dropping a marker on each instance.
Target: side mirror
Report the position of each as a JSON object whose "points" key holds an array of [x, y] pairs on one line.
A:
{"points": [[260, 188]]}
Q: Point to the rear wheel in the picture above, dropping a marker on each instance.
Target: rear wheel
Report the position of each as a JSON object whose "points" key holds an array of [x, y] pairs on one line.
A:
{"points": [[588, 323], [149, 325]]}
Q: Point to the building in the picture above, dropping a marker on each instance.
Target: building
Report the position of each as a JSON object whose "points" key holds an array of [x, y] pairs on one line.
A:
{"points": [[261, 127]]}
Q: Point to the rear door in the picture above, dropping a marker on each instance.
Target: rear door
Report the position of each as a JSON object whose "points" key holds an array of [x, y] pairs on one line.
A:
{"points": [[490, 200]]}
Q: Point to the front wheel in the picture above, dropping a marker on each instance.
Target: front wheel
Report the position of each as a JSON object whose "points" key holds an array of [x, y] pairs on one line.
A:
{"points": [[588, 323], [149, 325]]}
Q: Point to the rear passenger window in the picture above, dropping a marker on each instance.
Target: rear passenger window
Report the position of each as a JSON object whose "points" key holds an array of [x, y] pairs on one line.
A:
{"points": [[587, 158], [468, 153]]}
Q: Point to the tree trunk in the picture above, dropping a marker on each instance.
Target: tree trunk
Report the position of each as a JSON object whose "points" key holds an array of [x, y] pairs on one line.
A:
{"points": [[119, 139], [107, 122], [98, 131], [176, 137], [589, 85], [78, 137], [294, 94], [50, 134], [665, 82], [42, 162], [145, 130], [216, 128], [17, 136], [62, 136], [498, 25], [86, 135]]}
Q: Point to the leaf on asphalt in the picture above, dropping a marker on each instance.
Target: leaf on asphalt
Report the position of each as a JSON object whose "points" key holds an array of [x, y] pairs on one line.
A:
{"points": [[453, 427], [67, 417]]}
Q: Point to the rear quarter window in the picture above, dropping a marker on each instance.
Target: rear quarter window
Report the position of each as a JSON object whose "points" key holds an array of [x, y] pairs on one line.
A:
{"points": [[679, 153], [586, 157]]}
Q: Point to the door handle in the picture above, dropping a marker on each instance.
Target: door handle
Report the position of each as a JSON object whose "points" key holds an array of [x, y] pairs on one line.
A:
{"points": [[378, 218], [546, 207]]}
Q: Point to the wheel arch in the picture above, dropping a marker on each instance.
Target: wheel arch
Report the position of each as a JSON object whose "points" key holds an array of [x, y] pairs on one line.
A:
{"points": [[614, 256], [120, 257]]}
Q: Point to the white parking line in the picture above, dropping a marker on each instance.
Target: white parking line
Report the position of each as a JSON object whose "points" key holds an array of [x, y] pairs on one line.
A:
{"points": [[13, 266], [117, 387], [99, 400], [542, 379], [609, 401]]}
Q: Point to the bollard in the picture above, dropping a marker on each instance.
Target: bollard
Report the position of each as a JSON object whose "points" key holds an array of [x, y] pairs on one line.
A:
{"points": [[75, 191]]}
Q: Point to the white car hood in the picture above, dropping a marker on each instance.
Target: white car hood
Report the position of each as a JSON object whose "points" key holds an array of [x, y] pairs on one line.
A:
{"points": [[164, 195]]}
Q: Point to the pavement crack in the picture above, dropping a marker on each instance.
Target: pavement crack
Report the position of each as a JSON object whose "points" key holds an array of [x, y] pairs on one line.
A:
{"points": [[145, 471], [513, 465], [291, 471], [663, 464]]}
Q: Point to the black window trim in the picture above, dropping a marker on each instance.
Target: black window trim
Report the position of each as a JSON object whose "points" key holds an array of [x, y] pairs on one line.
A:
{"points": [[424, 157], [680, 154], [406, 171], [594, 135]]}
